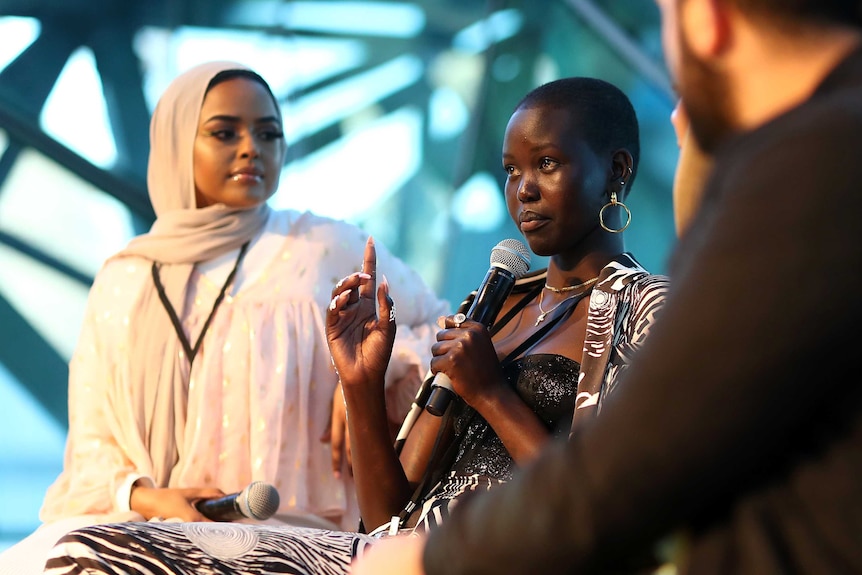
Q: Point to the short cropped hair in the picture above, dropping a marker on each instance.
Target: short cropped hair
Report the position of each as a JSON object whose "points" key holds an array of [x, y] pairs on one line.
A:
{"points": [[599, 108], [847, 12]]}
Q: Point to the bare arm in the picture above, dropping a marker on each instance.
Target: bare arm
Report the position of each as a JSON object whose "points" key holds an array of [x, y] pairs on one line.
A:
{"points": [[360, 329]]}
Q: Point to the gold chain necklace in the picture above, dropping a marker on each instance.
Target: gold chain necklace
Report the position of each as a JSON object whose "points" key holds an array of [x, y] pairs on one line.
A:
{"points": [[570, 288], [543, 313]]}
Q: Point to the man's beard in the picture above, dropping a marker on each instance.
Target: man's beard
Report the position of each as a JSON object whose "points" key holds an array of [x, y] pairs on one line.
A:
{"points": [[706, 96]]}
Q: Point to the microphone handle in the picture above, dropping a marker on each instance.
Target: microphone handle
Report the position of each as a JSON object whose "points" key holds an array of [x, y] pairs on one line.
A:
{"points": [[490, 296], [221, 509], [441, 395], [416, 409]]}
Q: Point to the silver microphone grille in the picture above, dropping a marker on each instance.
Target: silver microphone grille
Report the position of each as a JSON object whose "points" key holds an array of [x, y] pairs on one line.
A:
{"points": [[259, 500], [512, 255]]}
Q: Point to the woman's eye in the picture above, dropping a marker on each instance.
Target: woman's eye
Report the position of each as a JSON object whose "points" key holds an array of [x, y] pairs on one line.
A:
{"points": [[510, 170], [270, 135], [548, 163], [223, 135]]}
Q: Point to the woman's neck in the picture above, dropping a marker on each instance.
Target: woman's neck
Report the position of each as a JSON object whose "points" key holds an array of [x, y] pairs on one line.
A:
{"points": [[566, 272]]}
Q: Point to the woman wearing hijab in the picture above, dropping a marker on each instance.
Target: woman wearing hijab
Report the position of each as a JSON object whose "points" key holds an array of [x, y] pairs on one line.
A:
{"points": [[202, 364]]}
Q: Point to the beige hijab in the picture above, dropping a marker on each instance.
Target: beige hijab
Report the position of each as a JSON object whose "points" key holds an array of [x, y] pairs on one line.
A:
{"points": [[155, 397]]}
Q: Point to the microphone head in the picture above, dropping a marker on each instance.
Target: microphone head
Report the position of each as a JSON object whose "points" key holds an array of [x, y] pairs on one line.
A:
{"points": [[259, 500], [512, 255]]}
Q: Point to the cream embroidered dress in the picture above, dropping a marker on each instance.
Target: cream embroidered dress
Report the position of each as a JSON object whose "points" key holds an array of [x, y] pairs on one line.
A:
{"points": [[259, 390]]}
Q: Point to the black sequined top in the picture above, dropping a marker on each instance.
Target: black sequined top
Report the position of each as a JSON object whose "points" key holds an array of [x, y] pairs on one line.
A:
{"points": [[547, 384]]}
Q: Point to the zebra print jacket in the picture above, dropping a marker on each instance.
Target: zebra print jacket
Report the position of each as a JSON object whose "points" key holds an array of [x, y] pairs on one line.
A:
{"points": [[623, 306]]}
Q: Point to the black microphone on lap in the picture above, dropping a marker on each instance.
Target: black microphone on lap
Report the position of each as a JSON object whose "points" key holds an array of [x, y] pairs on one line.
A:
{"points": [[510, 260], [258, 500]]}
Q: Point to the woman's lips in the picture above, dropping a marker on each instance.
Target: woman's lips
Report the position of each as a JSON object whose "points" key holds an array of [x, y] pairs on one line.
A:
{"points": [[247, 177], [531, 222]]}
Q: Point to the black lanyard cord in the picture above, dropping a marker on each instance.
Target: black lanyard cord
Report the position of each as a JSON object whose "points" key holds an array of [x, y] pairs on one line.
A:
{"points": [[175, 320]]}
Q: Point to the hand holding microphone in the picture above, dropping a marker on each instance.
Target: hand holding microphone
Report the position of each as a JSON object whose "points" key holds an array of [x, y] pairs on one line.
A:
{"points": [[510, 260], [257, 501]]}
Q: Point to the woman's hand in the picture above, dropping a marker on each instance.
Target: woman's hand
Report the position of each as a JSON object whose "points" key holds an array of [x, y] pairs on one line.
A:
{"points": [[169, 502], [464, 352], [361, 342]]}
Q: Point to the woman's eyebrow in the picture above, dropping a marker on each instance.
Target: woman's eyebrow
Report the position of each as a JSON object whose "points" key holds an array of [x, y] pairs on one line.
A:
{"points": [[229, 118]]}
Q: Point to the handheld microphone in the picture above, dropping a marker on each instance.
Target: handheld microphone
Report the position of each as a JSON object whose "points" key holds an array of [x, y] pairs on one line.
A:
{"points": [[510, 260], [257, 501]]}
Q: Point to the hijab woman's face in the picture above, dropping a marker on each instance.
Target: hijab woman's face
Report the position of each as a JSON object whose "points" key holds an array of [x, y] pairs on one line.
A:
{"points": [[555, 184], [239, 147]]}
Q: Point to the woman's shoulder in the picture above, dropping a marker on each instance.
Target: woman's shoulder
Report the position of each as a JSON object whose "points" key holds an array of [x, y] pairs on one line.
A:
{"points": [[308, 227], [624, 272], [286, 220], [117, 284], [122, 268], [316, 247], [340, 241]]}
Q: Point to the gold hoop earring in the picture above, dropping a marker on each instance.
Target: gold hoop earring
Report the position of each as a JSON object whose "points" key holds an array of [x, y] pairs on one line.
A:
{"points": [[613, 203]]}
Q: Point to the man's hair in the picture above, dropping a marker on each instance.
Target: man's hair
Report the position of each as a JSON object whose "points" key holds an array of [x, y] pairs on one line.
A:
{"points": [[600, 109], [847, 12]]}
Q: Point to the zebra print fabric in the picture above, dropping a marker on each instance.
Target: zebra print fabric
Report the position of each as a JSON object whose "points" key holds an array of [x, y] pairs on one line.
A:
{"points": [[204, 548], [155, 548], [444, 496], [623, 307]]}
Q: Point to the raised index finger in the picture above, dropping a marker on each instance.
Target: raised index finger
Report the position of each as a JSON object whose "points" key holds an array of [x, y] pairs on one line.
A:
{"points": [[369, 266]]}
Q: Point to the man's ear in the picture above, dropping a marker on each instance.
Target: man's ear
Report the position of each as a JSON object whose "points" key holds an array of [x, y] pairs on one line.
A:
{"points": [[705, 26]]}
